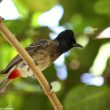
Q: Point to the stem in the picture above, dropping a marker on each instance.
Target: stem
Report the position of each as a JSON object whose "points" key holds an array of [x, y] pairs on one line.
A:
{"points": [[27, 58]]}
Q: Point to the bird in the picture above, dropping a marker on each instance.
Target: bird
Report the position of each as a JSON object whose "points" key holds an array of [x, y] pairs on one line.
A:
{"points": [[44, 52]]}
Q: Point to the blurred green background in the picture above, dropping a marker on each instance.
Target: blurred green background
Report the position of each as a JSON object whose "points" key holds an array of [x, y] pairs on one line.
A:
{"points": [[80, 77]]}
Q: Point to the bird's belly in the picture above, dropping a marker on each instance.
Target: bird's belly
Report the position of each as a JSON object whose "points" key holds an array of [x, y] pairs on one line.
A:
{"points": [[42, 61], [24, 69]]}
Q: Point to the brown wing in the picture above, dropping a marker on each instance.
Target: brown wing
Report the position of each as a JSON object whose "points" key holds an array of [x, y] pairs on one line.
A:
{"points": [[30, 49]]}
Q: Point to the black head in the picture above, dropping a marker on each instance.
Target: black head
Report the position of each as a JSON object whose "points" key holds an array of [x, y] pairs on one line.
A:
{"points": [[67, 40]]}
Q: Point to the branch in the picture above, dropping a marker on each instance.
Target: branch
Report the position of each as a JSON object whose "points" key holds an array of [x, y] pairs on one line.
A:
{"points": [[27, 58]]}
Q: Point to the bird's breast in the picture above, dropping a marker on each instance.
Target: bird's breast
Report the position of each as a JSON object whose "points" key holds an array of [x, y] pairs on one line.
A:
{"points": [[42, 59]]}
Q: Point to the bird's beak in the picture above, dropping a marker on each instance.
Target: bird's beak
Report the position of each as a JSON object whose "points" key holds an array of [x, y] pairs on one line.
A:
{"points": [[77, 45]]}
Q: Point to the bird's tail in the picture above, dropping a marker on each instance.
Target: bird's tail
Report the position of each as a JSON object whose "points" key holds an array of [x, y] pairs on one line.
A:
{"points": [[14, 72], [4, 83]]}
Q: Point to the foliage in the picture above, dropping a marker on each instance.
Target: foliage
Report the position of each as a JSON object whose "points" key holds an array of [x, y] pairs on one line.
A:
{"points": [[88, 19], [87, 98]]}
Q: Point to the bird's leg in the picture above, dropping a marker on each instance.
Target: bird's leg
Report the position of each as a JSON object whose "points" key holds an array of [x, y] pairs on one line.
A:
{"points": [[51, 88]]}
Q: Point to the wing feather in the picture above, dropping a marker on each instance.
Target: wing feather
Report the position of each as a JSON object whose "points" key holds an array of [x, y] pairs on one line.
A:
{"points": [[29, 49]]}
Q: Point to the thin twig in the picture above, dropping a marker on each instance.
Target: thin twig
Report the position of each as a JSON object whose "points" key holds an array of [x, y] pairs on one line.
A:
{"points": [[36, 71]]}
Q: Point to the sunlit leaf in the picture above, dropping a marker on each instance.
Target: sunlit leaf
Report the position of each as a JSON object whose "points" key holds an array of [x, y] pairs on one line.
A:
{"points": [[37, 5], [10, 99]]}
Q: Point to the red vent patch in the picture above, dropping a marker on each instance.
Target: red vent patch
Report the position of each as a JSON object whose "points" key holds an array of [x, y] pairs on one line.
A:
{"points": [[15, 73]]}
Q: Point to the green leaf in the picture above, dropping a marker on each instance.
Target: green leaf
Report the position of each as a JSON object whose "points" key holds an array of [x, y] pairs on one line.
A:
{"points": [[11, 99], [16, 26], [102, 7], [35, 102], [87, 98]]}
